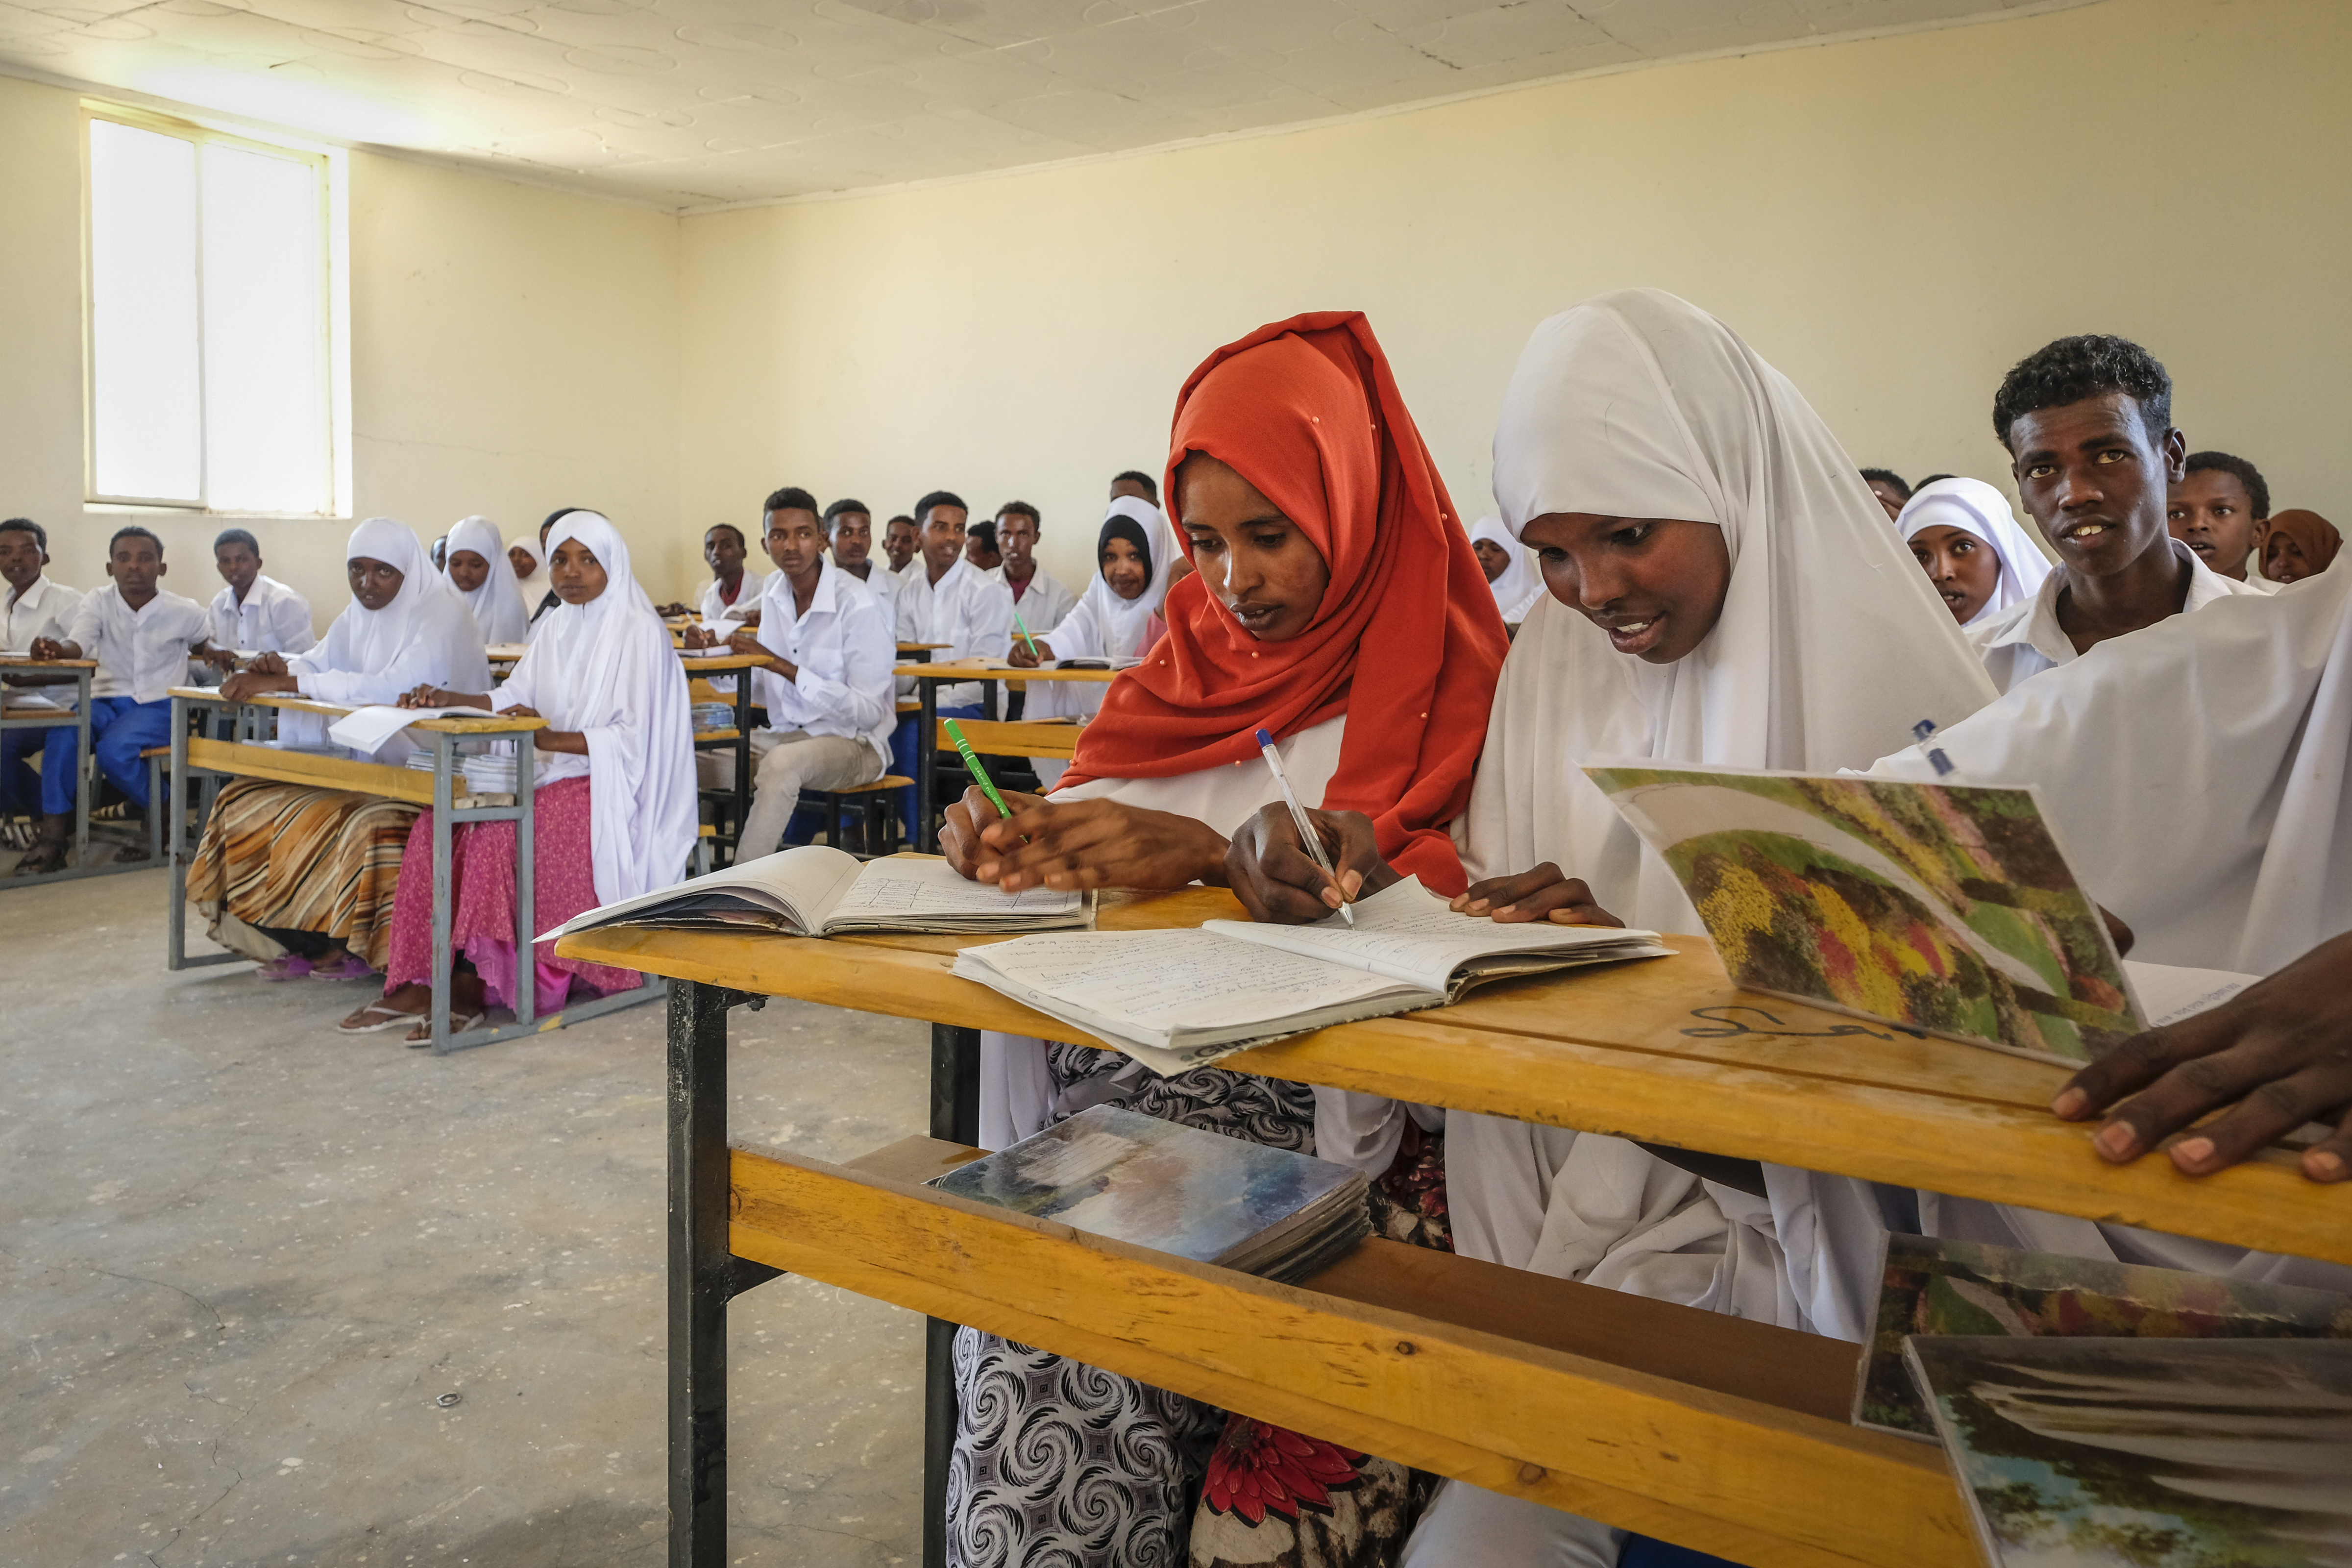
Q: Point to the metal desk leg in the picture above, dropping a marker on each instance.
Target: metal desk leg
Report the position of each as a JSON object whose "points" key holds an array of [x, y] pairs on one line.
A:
{"points": [[927, 737], [526, 997], [443, 891], [742, 763], [701, 1273], [955, 1117], [85, 780], [175, 921]]}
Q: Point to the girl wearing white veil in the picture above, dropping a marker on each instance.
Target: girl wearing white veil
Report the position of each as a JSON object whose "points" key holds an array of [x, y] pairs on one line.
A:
{"points": [[1510, 568], [480, 575], [1946, 522], [528, 557], [303, 878], [1138, 549], [615, 812]]}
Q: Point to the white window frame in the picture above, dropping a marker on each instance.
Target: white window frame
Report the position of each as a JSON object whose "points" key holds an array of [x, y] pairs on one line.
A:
{"points": [[330, 169]]}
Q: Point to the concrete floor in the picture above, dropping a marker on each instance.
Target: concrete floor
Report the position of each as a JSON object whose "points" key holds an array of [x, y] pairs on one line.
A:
{"points": [[243, 1258]]}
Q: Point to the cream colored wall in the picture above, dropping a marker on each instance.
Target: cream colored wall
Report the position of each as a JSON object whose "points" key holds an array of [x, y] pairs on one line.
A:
{"points": [[513, 350], [1891, 222]]}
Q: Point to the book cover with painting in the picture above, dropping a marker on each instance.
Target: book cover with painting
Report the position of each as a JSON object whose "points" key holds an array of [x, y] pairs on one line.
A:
{"points": [[1940, 1289], [2147, 1453], [1199, 1194], [1943, 908]]}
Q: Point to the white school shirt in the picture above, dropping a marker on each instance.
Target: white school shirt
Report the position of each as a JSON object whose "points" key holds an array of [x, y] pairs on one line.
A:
{"points": [[1044, 604], [44, 610], [142, 654], [965, 609], [715, 609], [845, 649], [878, 581], [2026, 639], [274, 618]]}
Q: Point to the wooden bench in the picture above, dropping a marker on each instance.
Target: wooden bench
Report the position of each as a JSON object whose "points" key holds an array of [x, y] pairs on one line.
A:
{"points": [[871, 801]]}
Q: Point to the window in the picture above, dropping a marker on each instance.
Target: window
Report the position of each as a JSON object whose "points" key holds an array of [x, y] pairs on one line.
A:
{"points": [[211, 364]]}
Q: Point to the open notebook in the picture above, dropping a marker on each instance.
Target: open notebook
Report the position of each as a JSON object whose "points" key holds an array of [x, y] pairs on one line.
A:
{"points": [[1174, 999], [816, 891]]}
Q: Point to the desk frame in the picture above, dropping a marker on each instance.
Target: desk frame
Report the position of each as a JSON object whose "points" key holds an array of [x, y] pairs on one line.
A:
{"points": [[739, 741], [82, 671], [928, 679]]}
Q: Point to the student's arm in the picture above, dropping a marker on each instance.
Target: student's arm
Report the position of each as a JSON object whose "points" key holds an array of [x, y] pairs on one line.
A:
{"points": [[1268, 867], [290, 620], [1079, 844], [864, 692], [2278, 1054], [1545, 894]]}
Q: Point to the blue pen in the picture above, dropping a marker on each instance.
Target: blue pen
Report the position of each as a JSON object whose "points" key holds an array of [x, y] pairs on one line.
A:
{"points": [[1305, 824]]}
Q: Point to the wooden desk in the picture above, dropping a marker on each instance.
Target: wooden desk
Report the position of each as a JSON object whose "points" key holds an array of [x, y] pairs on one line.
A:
{"points": [[920, 652], [927, 680], [80, 670], [701, 663], [508, 654], [442, 789], [1707, 1451]]}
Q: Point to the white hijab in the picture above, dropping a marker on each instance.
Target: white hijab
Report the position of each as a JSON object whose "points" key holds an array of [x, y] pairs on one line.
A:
{"points": [[1975, 507], [1831, 643], [531, 590], [426, 630], [1104, 626], [497, 604], [606, 667], [1521, 584]]}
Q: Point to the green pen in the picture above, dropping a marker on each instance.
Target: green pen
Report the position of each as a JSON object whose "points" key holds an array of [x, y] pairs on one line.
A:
{"points": [[1024, 634], [971, 765]]}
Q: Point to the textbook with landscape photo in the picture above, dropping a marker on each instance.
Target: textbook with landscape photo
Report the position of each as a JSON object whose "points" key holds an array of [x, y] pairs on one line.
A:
{"points": [[1948, 908]]}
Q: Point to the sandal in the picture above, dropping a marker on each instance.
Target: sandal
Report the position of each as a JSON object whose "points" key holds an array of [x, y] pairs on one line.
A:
{"points": [[422, 1035], [285, 966], [49, 855], [375, 1016], [349, 967]]}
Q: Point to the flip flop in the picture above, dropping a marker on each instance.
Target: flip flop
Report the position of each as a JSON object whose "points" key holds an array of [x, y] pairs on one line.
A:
{"points": [[285, 966], [351, 967], [391, 1019], [458, 1025]]}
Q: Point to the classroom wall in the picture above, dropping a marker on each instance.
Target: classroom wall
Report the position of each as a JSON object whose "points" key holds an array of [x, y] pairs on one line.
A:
{"points": [[513, 350], [1891, 221]]}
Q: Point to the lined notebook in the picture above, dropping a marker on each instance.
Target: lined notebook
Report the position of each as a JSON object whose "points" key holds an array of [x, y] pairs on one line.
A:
{"points": [[1199, 1194], [1175, 999], [818, 890]]}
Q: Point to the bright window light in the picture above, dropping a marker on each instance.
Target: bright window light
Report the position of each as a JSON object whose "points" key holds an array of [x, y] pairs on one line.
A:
{"points": [[209, 312]]}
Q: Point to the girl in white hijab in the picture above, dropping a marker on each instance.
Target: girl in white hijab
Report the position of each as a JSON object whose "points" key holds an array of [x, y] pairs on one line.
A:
{"points": [[1510, 569], [1104, 623], [532, 583], [1946, 522], [302, 878], [1810, 642], [495, 600], [615, 812]]}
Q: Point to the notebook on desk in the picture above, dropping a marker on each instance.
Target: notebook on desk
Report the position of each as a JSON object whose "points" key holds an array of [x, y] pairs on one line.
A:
{"points": [[1175, 999], [817, 891]]}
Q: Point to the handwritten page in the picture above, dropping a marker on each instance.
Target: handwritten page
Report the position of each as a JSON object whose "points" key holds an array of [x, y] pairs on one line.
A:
{"points": [[896, 889]]}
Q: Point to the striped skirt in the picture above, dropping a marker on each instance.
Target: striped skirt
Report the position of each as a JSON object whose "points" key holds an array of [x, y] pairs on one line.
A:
{"points": [[297, 858]]}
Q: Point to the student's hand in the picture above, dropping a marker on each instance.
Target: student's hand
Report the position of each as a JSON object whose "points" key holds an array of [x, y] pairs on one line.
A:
{"points": [[46, 648], [250, 683], [747, 644], [1268, 867], [267, 663], [700, 637], [1544, 893], [521, 710], [672, 612], [1097, 844], [2279, 1054], [960, 839], [424, 696], [218, 658], [749, 618], [1021, 658]]}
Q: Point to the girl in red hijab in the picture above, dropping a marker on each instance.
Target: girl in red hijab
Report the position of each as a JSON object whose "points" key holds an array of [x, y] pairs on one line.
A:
{"points": [[1337, 605]]}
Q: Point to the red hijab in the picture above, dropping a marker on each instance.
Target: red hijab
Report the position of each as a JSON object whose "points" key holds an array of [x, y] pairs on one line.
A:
{"points": [[1306, 411]]}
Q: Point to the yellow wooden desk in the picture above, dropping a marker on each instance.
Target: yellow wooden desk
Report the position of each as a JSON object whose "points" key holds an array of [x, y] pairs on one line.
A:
{"points": [[1723, 1435], [14, 716], [928, 678]]}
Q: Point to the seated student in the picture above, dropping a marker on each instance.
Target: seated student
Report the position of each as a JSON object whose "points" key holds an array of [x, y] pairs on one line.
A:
{"points": [[979, 549], [253, 613], [944, 599], [2221, 508], [735, 586], [548, 598], [1510, 568], [2300, 544], [1338, 606], [527, 553], [141, 638], [1135, 482], [1888, 487], [441, 554], [900, 540], [1981, 561], [483, 581], [1135, 558], [1038, 597], [615, 812], [311, 871], [2088, 425], [849, 528], [35, 606], [1720, 591], [827, 683]]}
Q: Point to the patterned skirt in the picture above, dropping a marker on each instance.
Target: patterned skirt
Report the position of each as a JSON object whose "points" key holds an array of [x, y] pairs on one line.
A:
{"points": [[292, 857]]}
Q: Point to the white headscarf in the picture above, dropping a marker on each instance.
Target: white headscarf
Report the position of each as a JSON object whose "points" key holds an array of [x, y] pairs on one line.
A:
{"points": [[1831, 643], [606, 667], [426, 633], [497, 604], [1102, 625], [1975, 507], [1521, 584], [531, 590]]}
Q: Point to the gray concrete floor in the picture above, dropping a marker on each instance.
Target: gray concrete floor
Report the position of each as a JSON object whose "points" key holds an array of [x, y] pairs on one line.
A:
{"points": [[242, 1258]]}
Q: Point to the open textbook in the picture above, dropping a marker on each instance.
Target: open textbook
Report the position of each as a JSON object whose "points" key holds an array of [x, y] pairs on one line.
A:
{"points": [[1174, 999], [817, 891], [1200, 1195], [1948, 908]]}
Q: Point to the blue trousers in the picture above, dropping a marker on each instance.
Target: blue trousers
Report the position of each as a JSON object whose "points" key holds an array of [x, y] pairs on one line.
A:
{"points": [[120, 729], [902, 763], [20, 785]]}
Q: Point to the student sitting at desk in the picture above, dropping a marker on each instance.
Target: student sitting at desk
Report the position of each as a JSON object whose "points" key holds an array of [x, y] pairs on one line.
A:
{"points": [[299, 877], [849, 525], [253, 613], [1038, 597], [527, 553], [826, 684], [615, 809], [944, 599], [34, 606], [1337, 605], [141, 638], [485, 580], [735, 586]]}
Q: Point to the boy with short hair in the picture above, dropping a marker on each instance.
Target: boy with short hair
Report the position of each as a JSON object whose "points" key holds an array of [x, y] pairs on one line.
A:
{"points": [[1136, 483], [1889, 488], [2088, 425], [943, 598], [2221, 508], [34, 606], [735, 586], [849, 529], [1038, 599], [253, 613], [900, 541], [141, 638]]}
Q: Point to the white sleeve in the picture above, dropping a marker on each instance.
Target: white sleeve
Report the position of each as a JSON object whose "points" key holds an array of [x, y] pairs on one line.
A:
{"points": [[290, 621], [987, 630]]}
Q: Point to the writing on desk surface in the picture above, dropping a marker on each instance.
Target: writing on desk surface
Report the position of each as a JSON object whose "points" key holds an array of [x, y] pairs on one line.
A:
{"points": [[1724, 1028]]}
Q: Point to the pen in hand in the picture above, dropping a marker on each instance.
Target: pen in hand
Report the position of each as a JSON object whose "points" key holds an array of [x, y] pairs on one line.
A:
{"points": [[1306, 826]]}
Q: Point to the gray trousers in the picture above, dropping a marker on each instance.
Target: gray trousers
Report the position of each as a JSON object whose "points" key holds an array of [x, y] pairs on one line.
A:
{"points": [[785, 763]]}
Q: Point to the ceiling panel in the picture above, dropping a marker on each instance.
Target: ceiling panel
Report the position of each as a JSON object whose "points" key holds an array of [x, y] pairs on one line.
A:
{"points": [[692, 103]]}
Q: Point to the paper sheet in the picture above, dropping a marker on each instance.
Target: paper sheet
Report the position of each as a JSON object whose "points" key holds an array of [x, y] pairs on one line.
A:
{"points": [[367, 728], [893, 888], [1162, 980]]}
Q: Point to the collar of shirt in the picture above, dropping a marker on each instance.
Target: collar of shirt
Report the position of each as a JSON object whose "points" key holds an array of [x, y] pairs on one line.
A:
{"points": [[2034, 622], [32, 598]]}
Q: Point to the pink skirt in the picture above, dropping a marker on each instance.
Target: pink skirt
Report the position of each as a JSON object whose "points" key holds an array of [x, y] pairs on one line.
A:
{"points": [[482, 913]]}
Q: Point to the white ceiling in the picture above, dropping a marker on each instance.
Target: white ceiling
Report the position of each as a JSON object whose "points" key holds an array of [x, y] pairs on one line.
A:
{"points": [[692, 103]]}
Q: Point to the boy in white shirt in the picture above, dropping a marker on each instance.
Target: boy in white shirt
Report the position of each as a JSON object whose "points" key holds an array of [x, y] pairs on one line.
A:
{"points": [[141, 638], [944, 599], [735, 586], [849, 524], [1038, 597], [255, 614], [34, 606], [2221, 508]]}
